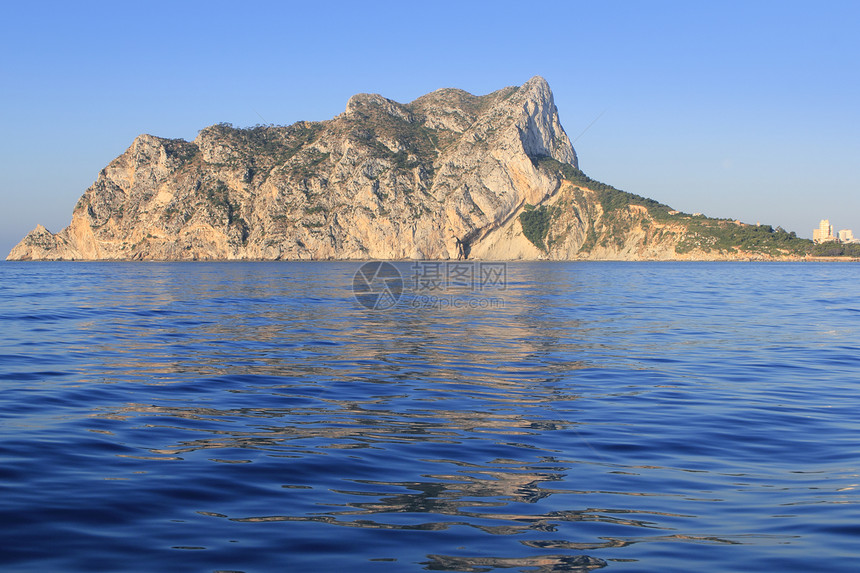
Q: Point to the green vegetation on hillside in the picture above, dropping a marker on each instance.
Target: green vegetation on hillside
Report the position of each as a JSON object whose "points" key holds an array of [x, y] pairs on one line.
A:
{"points": [[536, 224], [720, 235], [308, 168], [373, 124], [271, 144], [834, 249], [704, 233], [610, 197], [471, 106], [220, 199], [180, 149]]}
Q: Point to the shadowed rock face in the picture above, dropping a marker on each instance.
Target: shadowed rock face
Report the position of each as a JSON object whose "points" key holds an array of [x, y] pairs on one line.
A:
{"points": [[383, 180]]}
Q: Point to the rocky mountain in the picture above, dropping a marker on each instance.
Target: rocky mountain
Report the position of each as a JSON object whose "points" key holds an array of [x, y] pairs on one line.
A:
{"points": [[383, 180]]}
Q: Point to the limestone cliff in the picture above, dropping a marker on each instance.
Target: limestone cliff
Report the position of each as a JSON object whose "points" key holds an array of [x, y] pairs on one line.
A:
{"points": [[383, 180]]}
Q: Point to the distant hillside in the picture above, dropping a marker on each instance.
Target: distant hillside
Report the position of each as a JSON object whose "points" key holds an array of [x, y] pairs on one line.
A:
{"points": [[619, 223], [384, 180]]}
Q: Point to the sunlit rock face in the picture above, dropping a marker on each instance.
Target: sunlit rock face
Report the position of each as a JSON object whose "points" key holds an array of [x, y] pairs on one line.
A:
{"points": [[383, 180]]}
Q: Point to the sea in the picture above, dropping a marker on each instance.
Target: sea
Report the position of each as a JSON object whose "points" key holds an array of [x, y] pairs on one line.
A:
{"points": [[430, 416]]}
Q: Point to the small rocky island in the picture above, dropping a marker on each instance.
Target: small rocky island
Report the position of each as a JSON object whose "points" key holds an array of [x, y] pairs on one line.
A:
{"points": [[449, 174]]}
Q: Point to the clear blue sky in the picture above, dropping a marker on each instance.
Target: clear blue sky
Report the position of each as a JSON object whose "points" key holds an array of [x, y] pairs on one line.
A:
{"points": [[748, 110]]}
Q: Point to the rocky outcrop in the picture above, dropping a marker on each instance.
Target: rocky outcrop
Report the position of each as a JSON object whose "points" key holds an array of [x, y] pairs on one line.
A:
{"points": [[383, 180]]}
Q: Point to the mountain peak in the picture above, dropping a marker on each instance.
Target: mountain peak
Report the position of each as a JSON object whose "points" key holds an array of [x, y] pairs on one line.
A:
{"points": [[537, 83], [366, 104], [542, 134]]}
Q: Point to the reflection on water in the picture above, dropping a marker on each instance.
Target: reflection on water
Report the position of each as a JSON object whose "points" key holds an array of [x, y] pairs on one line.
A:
{"points": [[543, 564], [633, 417]]}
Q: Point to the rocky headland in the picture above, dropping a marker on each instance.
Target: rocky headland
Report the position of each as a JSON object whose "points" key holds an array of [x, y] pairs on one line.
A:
{"points": [[384, 180]]}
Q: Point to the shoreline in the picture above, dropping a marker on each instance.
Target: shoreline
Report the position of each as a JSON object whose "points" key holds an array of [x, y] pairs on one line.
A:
{"points": [[807, 259]]}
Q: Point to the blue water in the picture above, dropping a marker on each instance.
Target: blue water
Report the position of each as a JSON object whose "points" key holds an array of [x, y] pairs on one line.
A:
{"points": [[254, 417]]}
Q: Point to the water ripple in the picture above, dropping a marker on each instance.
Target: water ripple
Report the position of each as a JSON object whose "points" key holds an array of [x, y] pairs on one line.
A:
{"points": [[629, 417]]}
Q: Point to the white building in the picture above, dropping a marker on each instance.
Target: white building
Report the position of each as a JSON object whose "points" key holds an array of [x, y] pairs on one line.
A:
{"points": [[846, 236], [824, 232]]}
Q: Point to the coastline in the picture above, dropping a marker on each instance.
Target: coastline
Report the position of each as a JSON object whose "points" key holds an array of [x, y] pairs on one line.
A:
{"points": [[798, 259]]}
